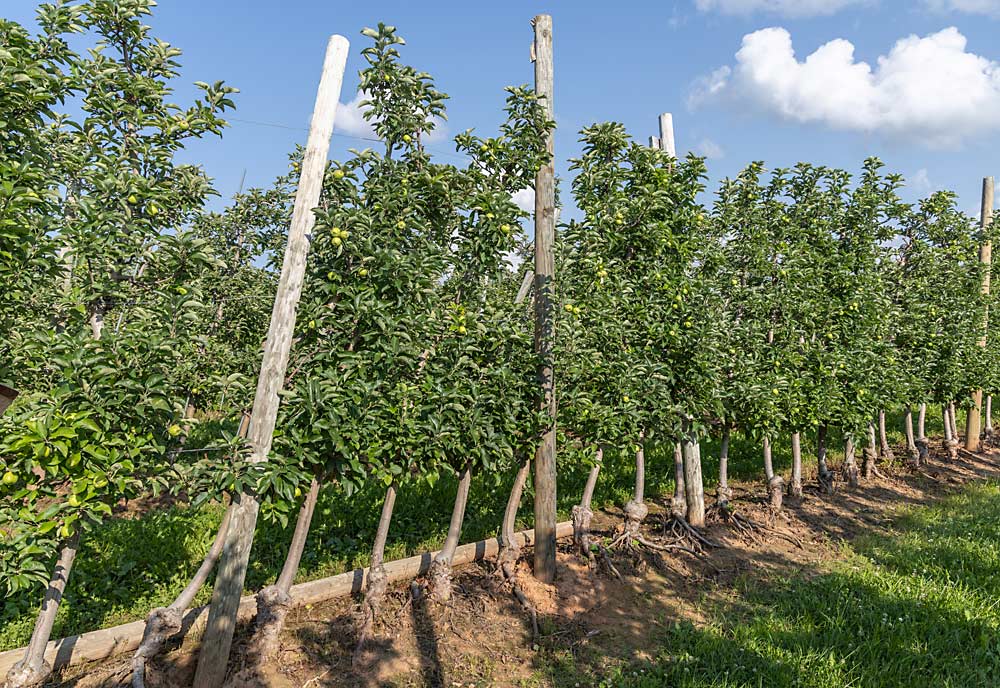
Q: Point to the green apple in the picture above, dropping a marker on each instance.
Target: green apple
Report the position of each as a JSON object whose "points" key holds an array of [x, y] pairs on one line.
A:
{"points": [[9, 478]]}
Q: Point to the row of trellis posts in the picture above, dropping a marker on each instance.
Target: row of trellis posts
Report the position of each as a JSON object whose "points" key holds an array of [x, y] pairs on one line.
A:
{"points": [[218, 637]]}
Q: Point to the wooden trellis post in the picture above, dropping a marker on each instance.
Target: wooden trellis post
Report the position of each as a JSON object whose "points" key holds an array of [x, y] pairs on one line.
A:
{"points": [[973, 420], [214, 655], [545, 216]]}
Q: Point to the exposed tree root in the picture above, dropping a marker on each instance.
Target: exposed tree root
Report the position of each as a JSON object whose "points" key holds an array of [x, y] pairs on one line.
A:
{"points": [[752, 530]]}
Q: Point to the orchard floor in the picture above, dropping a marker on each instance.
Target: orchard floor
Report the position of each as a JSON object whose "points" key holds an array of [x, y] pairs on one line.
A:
{"points": [[896, 583]]}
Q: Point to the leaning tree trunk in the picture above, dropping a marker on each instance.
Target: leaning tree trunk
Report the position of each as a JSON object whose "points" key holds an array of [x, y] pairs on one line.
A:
{"points": [[868, 467], [439, 575], [850, 467], [723, 494], [775, 483], [795, 486], [678, 504], [510, 546], [954, 420], [923, 445], [694, 487], [164, 622], [582, 513], [911, 445], [274, 601], [824, 477], [950, 438], [378, 581], [32, 670], [885, 451]]}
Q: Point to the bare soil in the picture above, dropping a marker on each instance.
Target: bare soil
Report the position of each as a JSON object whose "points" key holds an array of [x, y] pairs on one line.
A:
{"points": [[483, 637]]}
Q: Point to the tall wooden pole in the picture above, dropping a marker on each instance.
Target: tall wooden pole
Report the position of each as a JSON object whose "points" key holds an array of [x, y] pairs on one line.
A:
{"points": [[545, 229], [667, 143], [218, 638], [973, 420]]}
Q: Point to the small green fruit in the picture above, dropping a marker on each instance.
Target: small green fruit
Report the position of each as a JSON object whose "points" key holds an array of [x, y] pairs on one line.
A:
{"points": [[338, 174], [174, 430], [183, 125], [133, 199], [505, 229], [401, 224], [152, 210], [362, 273], [9, 478], [407, 138], [312, 324], [337, 241], [298, 492], [462, 329], [569, 308]]}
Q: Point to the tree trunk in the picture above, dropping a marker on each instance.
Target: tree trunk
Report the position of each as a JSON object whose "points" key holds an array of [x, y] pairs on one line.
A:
{"points": [[988, 430], [33, 669], [582, 513], [635, 509], [868, 468], [954, 421], [164, 622], [950, 436], [439, 575], [274, 601], [923, 445], [824, 476], [850, 468], [723, 494], [795, 486], [694, 487], [775, 484], [678, 505], [378, 582], [911, 445], [885, 451]]}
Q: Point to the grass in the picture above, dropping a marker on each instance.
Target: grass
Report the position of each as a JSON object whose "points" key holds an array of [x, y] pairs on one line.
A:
{"points": [[129, 566], [920, 608]]}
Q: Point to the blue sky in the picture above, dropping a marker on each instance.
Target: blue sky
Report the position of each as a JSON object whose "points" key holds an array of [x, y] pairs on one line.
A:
{"points": [[931, 109]]}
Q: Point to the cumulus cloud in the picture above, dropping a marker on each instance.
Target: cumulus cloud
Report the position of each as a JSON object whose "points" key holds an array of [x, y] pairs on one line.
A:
{"points": [[710, 149], [928, 89], [351, 121], [786, 8], [987, 7]]}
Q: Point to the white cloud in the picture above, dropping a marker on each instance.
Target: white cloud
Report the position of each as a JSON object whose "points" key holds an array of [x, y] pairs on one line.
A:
{"points": [[786, 8], [710, 149], [921, 181], [708, 86], [351, 121], [525, 200], [927, 89], [988, 7]]}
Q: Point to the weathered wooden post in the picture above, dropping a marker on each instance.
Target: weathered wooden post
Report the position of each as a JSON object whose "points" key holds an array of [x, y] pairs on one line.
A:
{"points": [[973, 420], [667, 143], [545, 229], [214, 655]]}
